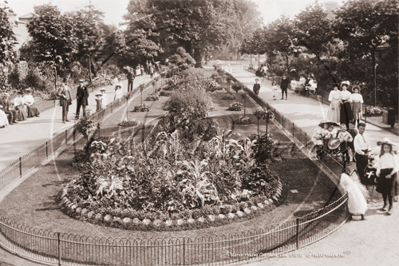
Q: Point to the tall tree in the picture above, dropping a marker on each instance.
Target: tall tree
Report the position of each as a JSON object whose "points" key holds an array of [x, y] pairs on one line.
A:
{"points": [[313, 30], [7, 38]]}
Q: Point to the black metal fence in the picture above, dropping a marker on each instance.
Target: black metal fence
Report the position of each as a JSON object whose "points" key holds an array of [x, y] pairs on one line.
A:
{"points": [[66, 249]]}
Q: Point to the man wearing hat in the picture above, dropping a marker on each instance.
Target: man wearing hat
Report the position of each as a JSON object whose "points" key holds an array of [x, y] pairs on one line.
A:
{"points": [[130, 79], [256, 87], [98, 101], [285, 82], [82, 97], [65, 100], [8, 108]]}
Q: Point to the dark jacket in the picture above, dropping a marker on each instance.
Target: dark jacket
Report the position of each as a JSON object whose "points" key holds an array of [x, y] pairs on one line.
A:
{"points": [[65, 96], [256, 88], [5, 103], [284, 83], [130, 76], [82, 95]]}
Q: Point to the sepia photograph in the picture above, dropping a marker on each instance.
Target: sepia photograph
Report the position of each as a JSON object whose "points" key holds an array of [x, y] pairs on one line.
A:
{"points": [[199, 132]]}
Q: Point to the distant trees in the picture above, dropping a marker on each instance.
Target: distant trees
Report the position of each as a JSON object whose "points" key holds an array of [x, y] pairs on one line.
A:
{"points": [[7, 39], [357, 41]]}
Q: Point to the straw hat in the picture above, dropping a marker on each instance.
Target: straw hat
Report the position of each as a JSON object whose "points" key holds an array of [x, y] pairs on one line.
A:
{"points": [[99, 94], [386, 141], [334, 143], [118, 85], [102, 89], [28, 89], [343, 83], [327, 122], [6, 94], [356, 87]]}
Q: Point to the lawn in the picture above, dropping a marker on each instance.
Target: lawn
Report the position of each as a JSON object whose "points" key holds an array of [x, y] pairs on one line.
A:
{"points": [[33, 202]]}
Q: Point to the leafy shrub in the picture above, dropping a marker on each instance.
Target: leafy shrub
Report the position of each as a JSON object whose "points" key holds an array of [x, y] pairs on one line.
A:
{"points": [[152, 97], [243, 205], [236, 106], [229, 96], [166, 93], [372, 111], [243, 120], [141, 108], [216, 210]]}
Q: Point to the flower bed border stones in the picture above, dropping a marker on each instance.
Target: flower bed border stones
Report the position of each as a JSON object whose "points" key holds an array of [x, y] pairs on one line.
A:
{"points": [[142, 108], [187, 223]]}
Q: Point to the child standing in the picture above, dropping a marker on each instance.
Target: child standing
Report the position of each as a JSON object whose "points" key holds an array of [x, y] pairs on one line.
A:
{"points": [[345, 137], [353, 131], [274, 90], [317, 139]]}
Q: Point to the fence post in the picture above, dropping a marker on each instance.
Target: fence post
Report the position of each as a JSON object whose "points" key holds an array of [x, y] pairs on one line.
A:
{"points": [[66, 137], [20, 166], [46, 149], [99, 129], [59, 249], [297, 233], [293, 129], [184, 251], [111, 107]]}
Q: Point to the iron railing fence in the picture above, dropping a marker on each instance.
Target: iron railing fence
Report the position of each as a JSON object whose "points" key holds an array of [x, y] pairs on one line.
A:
{"points": [[298, 133], [67, 249]]}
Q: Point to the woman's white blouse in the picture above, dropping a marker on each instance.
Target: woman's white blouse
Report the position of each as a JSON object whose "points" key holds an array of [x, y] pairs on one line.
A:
{"points": [[29, 99], [357, 98], [387, 161], [346, 95], [334, 95], [18, 101]]}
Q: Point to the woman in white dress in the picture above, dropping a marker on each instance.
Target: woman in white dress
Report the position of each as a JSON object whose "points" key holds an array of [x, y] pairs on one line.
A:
{"points": [[357, 194], [3, 118], [30, 104], [333, 110], [20, 106], [118, 93], [346, 114], [104, 101], [357, 102]]}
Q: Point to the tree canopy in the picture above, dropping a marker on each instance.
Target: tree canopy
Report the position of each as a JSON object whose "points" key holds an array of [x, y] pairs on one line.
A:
{"points": [[7, 39]]}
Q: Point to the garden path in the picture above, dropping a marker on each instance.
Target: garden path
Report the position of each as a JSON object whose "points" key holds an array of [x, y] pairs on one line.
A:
{"points": [[19, 139], [370, 242]]}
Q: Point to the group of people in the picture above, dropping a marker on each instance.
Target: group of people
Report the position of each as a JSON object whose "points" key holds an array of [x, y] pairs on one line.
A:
{"points": [[285, 82], [344, 105], [375, 167], [19, 109]]}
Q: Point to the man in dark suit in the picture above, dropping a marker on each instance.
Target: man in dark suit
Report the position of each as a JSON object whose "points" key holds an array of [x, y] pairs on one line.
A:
{"points": [[65, 100], [130, 79], [82, 97], [12, 113], [285, 82], [256, 87]]}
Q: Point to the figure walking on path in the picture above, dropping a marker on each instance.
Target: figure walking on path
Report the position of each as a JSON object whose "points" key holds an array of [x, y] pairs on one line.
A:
{"points": [[65, 100], [256, 87], [387, 168], [130, 80], [333, 110], [82, 97], [284, 87]]}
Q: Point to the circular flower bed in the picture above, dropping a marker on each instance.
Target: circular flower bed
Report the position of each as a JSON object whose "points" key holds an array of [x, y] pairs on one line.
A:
{"points": [[170, 184]]}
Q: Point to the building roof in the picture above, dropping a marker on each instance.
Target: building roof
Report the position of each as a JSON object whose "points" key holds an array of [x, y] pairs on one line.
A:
{"points": [[27, 16]]}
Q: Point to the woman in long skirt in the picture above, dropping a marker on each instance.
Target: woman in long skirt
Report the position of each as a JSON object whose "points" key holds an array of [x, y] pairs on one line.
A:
{"points": [[357, 102], [346, 114], [357, 194], [333, 110], [20, 106], [30, 104], [387, 168]]}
